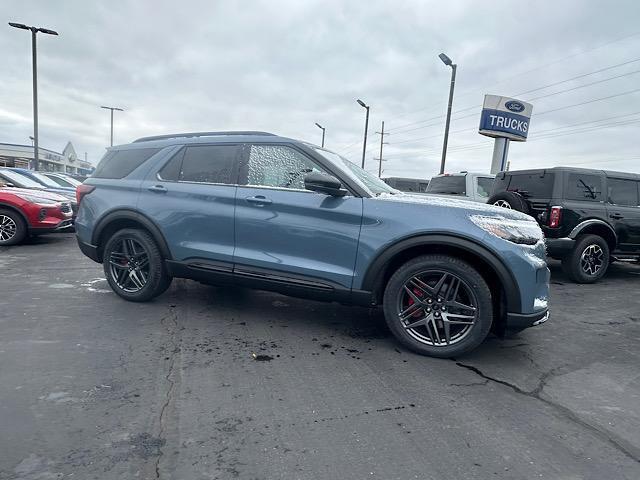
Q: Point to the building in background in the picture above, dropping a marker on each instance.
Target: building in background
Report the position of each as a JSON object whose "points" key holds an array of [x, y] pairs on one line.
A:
{"points": [[15, 155]]}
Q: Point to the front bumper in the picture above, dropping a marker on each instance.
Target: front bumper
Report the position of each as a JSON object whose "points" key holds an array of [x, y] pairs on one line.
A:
{"points": [[520, 321]]}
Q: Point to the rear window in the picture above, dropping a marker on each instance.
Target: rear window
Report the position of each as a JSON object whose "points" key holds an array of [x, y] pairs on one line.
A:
{"points": [[450, 185], [120, 163], [529, 185]]}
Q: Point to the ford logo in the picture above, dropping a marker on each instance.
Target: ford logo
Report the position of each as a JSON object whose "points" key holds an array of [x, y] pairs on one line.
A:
{"points": [[514, 106]]}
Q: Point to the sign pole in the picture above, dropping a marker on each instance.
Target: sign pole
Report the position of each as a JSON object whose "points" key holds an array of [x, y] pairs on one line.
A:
{"points": [[500, 154]]}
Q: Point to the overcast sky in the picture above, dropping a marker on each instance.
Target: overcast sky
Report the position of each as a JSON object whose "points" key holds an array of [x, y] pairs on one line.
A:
{"points": [[281, 66]]}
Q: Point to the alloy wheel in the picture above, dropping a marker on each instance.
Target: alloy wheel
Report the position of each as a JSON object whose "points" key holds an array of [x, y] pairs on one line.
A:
{"points": [[502, 203], [129, 265], [8, 228], [437, 308], [592, 259]]}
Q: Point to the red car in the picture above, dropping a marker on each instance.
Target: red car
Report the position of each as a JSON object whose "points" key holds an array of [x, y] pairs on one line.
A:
{"points": [[26, 212]]}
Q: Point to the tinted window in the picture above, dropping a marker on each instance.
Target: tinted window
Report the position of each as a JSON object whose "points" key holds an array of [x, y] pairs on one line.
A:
{"points": [[406, 185], [173, 168], [623, 192], [279, 166], [537, 185], [209, 164], [423, 186], [451, 185], [484, 186], [120, 163], [584, 187]]}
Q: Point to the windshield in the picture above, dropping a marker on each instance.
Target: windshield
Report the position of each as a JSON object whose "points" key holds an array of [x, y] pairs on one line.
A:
{"points": [[448, 185], [64, 181], [45, 180], [371, 183], [20, 180]]}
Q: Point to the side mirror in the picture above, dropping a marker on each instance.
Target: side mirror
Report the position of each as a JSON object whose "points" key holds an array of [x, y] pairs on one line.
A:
{"points": [[322, 183], [9, 185]]}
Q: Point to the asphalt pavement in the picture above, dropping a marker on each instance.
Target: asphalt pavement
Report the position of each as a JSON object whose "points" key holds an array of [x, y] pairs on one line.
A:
{"points": [[222, 383]]}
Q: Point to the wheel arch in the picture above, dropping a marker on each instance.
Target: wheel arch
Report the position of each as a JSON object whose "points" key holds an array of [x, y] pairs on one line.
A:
{"points": [[24, 218], [598, 227], [498, 276], [119, 219]]}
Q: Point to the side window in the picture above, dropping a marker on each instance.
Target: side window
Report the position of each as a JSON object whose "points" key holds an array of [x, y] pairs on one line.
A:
{"points": [[584, 187], [120, 163], [622, 192], [423, 186], [172, 169], [484, 186], [278, 166], [209, 164]]}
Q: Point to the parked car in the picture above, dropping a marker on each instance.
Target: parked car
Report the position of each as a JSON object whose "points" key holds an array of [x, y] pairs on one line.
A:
{"points": [[408, 185], [589, 217], [258, 210], [14, 177], [464, 185], [63, 180], [30, 212]]}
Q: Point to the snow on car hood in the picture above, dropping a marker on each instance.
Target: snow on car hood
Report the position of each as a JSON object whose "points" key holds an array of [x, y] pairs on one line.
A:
{"points": [[455, 203], [35, 193]]}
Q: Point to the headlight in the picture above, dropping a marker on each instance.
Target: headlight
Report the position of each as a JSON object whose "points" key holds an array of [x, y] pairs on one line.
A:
{"points": [[525, 232], [37, 200]]}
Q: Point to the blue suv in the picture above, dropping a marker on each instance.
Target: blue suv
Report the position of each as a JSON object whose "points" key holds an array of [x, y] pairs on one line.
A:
{"points": [[262, 211]]}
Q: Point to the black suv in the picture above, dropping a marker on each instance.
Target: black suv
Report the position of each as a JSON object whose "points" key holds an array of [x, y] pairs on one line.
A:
{"points": [[589, 217]]}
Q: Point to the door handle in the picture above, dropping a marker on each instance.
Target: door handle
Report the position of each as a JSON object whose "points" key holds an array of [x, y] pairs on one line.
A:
{"points": [[157, 189], [258, 200], [616, 216]]}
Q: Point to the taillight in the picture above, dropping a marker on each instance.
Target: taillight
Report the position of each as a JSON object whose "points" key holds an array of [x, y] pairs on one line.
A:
{"points": [[555, 217], [82, 190]]}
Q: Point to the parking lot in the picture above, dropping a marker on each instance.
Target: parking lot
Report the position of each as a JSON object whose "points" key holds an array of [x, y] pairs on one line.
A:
{"points": [[217, 383]]}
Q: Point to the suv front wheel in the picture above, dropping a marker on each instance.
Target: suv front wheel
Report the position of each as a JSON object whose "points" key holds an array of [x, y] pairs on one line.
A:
{"points": [[438, 305], [588, 261], [134, 267]]}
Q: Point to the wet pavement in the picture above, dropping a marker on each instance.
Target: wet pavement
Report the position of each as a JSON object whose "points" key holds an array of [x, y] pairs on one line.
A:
{"points": [[220, 383]]}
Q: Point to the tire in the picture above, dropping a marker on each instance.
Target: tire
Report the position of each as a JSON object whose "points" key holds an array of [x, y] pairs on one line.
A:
{"points": [[597, 251], [472, 291], [13, 228], [126, 270], [510, 200]]}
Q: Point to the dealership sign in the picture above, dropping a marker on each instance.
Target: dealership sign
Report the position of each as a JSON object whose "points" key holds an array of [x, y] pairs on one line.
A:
{"points": [[505, 117]]}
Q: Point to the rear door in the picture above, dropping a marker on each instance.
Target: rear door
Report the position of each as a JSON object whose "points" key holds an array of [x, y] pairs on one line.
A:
{"points": [[192, 200], [623, 207], [284, 231]]}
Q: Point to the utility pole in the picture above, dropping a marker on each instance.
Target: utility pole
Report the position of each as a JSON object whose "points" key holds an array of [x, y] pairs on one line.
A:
{"points": [[382, 142], [34, 62], [112, 109]]}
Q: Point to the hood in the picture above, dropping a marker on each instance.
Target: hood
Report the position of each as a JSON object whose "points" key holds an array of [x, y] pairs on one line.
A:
{"points": [[454, 203], [35, 193]]}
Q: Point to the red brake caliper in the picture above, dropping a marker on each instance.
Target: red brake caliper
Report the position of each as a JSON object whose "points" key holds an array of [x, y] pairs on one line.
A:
{"points": [[417, 293]]}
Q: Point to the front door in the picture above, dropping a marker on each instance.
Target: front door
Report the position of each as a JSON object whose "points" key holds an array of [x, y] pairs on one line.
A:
{"points": [[623, 208], [285, 229]]}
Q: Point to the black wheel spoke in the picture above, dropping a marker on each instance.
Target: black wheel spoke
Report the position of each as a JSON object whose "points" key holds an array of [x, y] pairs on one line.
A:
{"points": [[410, 311]]}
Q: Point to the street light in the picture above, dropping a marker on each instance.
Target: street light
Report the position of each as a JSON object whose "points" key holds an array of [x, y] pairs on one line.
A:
{"points": [[323, 129], [112, 109], [366, 127], [447, 61], [34, 31]]}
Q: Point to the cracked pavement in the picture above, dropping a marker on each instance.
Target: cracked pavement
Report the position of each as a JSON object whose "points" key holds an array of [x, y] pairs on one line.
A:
{"points": [[94, 387]]}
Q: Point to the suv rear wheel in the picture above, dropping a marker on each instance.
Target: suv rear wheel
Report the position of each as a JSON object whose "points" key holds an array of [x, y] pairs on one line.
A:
{"points": [[589, 259], [133, 265], [438, 305], [13, 230], [511, 200]]}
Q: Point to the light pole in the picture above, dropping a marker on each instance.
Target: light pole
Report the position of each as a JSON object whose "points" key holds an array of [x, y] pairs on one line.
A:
{"points": [[366, 127], [112, 109], [323, 129], [34, 31], [447, 61]]}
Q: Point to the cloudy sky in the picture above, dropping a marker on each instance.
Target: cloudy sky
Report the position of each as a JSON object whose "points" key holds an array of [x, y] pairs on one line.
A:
{"points": [[281, 66]]}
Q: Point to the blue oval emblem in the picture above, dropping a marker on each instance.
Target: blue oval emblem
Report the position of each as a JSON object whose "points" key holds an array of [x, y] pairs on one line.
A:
{"points": [[514, 106]]}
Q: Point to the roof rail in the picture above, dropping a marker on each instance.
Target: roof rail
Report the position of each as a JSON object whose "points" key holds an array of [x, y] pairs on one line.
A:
{"points": [[201, 134]]}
